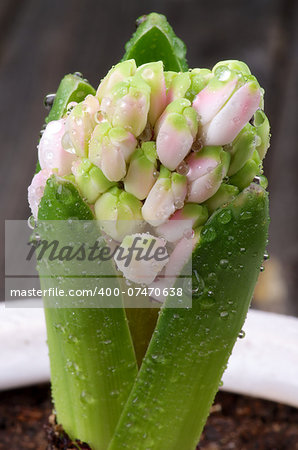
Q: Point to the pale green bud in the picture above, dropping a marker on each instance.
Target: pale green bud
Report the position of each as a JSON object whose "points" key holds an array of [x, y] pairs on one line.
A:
{"points": [[90, 179], [141, 174], [118, 213], [152, 74], [118, 73], [127, 105], [110, 149]]}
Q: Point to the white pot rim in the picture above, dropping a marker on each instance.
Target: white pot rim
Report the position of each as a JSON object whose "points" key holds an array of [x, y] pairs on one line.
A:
{"points": [[263, 365]]}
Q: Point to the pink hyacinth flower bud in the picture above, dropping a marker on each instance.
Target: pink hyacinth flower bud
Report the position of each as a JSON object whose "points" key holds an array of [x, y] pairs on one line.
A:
{"points": [[152, 74], [127, 105], [79, 126], [117, 74], [176, 130], [167, 195], [110, 149], [207, 168], [142, 270], [36, 189], [179, 83], [183, 221], [234, 115], [211, 99], [177, 261], [51, 154], [141, 174]]}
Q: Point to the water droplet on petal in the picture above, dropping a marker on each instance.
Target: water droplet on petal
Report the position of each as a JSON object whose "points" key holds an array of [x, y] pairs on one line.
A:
{"points": [[183, 168]]}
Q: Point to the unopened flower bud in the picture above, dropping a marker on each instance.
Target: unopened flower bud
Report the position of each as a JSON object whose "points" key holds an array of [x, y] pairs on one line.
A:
{"points": [[167, 195], [90, 179], [212, 98], [262, 126], [36, 189], [245, 176], [242, 148], [225, 194], [233, 116], [142, 170], [182, 222], [51, 154], [110, 149], [118, 213], [127, 105], [152, 74], [233, 64], [147, 257], [79, 126], [179, 84], [120, 72], [199, 79], [176, 130], [207, 168], [178, 259]]}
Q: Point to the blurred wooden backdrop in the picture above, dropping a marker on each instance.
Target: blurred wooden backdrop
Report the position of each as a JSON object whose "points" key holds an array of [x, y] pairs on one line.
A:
{"points": [[41, 40]]}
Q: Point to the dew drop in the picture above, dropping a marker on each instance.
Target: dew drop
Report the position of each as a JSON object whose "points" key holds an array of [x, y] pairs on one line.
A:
{"points": [[178, 204], [209, 234], [79, 74], [87, 398], [49, 100], [183, 168], [245, 215], [31, 222], [225, 216], [241, 335], [224, 263]]}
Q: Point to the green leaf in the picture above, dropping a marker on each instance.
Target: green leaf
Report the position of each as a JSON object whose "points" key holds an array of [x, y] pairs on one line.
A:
{"points": [[61, 200], [93, 364], [189, 350], [155, 40], [71, 89]]}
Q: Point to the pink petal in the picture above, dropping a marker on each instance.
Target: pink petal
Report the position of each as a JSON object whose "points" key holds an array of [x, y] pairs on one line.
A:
{"points": [[233, 116], [199, 166], [178, 258], [172, 145], [208, 102], [175, 227], [51, 154], [36, 189], [202, 188]]}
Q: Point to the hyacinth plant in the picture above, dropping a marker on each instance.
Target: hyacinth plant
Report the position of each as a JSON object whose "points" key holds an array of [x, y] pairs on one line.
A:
{"points": [[156, 143]]}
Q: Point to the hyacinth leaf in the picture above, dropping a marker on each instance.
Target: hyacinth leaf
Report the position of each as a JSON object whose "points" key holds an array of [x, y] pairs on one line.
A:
{"points": [[71, 89], [61, 201], [190, 347], [93, 363], [155, 40]]}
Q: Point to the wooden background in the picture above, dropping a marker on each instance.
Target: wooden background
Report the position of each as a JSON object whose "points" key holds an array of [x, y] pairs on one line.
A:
{"points": [[41, 40]]}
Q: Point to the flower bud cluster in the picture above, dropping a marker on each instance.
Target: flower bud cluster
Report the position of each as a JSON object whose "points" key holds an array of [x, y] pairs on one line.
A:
{"points": [[156, 147]]}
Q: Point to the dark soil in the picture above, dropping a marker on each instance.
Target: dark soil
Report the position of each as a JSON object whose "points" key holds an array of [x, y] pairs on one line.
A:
{"points": [[236, 422]]}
